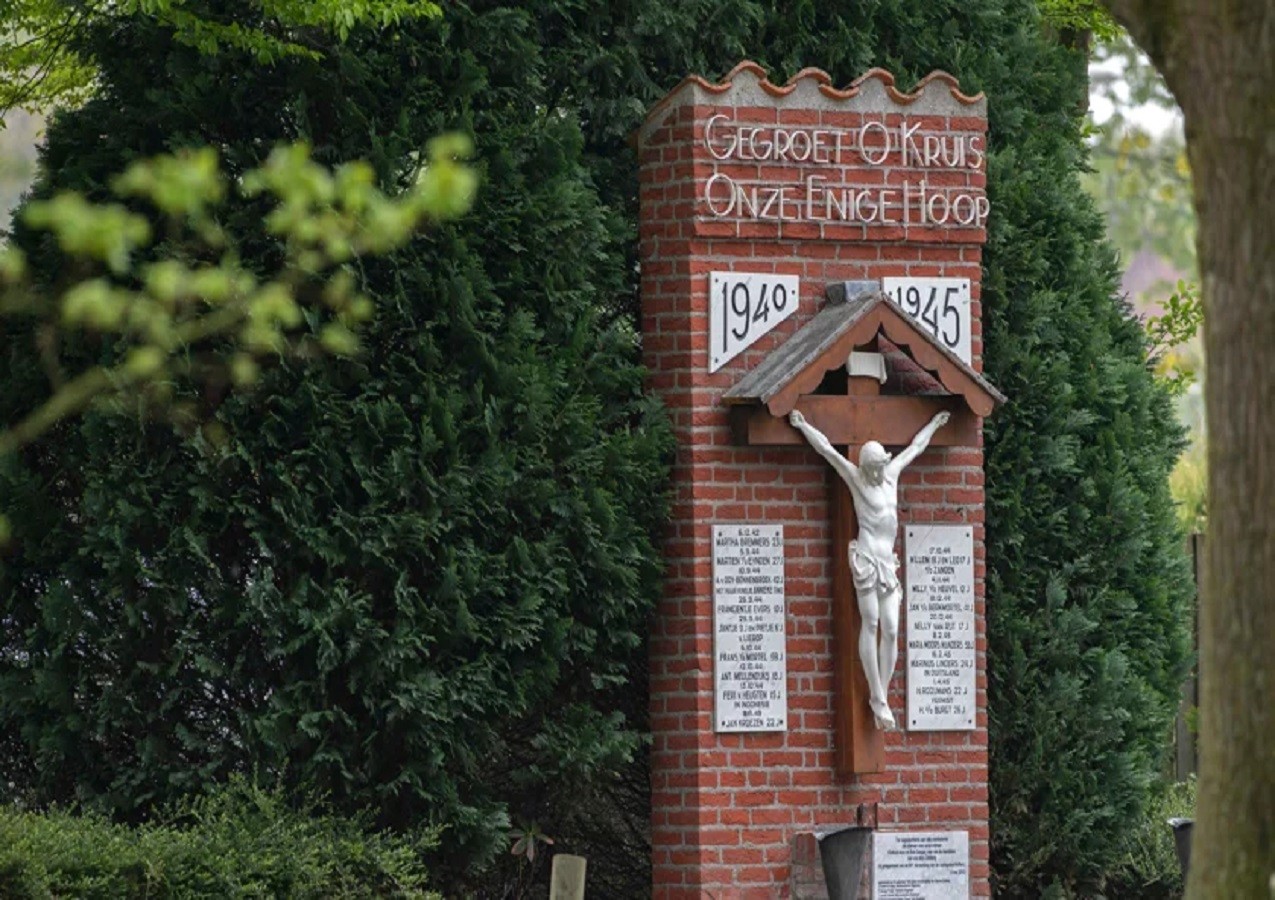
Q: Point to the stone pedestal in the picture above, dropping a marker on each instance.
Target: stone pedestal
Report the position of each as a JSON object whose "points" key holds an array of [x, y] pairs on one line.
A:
{"points": [[828, 186]]}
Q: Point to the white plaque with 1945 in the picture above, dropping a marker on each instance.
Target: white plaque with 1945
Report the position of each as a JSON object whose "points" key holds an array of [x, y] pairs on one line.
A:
{"points": [[939, 305]]}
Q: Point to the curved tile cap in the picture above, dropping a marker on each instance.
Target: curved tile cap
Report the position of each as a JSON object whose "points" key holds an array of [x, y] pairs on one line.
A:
{"points": [[854, 315], [748, 84]]}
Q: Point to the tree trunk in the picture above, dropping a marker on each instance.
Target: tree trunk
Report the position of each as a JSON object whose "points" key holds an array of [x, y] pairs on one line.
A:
{"points": [[1218, 57]]}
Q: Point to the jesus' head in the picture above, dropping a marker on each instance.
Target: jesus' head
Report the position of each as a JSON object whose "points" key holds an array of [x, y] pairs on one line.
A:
{"points": [[872, 461]]}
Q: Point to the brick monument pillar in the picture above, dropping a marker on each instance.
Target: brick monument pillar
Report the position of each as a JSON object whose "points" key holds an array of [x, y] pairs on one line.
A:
{"points": [[784, 228]]}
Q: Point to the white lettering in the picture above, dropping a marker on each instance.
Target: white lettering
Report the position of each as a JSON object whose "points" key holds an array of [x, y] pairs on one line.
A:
{"points": [[931, 214], [840, 207], [724, 180], [783, 143], [812, 191], [882, 152], [713, 148], [907, 143], [865, 207], [821, 195], [800, 153], [819, 150], [773, 194], [933, 149], [976, 151], [885, 200], [968, 217]]}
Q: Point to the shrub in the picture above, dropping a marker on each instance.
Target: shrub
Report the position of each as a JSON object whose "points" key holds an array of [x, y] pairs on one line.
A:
{"points": [[241, 841], [1149, 869]]}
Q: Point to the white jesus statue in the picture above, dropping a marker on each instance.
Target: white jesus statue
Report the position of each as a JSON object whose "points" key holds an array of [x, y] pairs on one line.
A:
{"points": [[874, 485]]}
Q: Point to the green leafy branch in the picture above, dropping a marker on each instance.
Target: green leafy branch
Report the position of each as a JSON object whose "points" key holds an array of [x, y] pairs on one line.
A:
{"points": [[40, 68], [1183, 315], [285, 23], [158, 315], [1080, 15]]}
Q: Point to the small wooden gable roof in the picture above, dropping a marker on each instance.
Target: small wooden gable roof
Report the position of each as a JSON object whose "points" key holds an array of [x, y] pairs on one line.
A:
{"points": [[856, 312]]}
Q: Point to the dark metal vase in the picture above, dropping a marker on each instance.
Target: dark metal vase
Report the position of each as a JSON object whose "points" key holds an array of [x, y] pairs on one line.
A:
{"points": [[1182, 841], [843, 853]]}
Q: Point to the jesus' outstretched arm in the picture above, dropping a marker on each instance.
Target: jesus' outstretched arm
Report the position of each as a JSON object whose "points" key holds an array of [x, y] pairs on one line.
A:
{"points": [[847, 470], [919, 443]]}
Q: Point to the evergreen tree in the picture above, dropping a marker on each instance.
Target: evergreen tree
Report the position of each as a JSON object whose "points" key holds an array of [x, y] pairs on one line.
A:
{"points": [[414, 581], [1088, 585]]}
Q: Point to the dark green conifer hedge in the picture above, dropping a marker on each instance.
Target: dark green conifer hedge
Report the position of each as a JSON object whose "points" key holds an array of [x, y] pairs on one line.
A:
{"points": [[420, 579], [413, 582]]}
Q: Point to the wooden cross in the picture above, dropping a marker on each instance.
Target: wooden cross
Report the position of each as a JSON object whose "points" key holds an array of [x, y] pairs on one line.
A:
{"points": [[805, 373], [848, 420]]}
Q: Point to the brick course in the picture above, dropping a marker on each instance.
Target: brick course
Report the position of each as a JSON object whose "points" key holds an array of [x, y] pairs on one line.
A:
{"points": [[732, 813]]}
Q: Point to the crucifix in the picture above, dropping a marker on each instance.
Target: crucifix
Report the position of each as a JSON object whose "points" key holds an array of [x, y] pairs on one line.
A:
{"points": [[874, 489], [830, 373]]}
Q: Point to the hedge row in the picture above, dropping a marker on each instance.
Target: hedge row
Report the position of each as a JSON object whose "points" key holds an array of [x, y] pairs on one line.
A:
{"points": [[239, 842]]}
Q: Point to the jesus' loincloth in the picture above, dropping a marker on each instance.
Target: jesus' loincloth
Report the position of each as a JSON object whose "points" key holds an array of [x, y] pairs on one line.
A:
{"points": [[870, 572]]}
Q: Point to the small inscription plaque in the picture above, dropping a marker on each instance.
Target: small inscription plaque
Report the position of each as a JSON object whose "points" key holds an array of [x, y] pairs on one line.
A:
{"points": [[750, 667], [939, 305], [940, 628], [743, 306], [921, 865]]}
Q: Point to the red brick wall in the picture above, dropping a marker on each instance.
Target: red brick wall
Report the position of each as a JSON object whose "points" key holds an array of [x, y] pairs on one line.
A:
{"points": [[730, 812]]}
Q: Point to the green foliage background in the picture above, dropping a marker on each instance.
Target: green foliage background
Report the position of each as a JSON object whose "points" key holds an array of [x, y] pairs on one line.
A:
{"points": [[420, 580]]}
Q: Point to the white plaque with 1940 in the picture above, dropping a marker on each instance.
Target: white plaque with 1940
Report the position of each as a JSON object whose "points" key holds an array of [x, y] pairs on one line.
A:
{"points": [[743, 306]]}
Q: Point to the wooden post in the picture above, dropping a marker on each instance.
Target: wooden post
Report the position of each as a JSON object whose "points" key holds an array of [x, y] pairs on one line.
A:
{"points": [[566, 877], [860, 744], [1186, 761]]}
